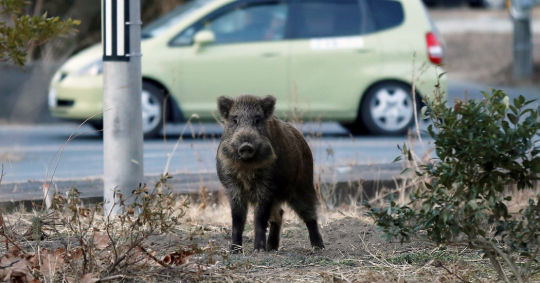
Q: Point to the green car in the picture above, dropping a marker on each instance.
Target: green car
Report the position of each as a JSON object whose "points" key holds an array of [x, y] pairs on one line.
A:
{"points": [[349, 61]]}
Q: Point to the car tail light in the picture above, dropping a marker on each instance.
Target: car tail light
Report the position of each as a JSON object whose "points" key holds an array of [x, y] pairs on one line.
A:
{"points": [[435, 48]]}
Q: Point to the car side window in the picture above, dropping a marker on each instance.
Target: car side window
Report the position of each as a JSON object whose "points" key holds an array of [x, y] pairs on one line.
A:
{"points": [[324, 18], [257, 22], [386, 13]]}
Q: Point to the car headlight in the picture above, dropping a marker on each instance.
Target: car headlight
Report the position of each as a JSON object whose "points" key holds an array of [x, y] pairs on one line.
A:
{"points": [[53, 97], [93, 69], [56, 77]]}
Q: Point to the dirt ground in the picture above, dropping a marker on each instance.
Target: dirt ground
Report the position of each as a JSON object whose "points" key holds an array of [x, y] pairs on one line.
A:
{"points": [[356, 251], [484, 57]]}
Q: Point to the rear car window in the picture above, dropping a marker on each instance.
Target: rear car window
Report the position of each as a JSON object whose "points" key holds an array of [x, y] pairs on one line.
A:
{"points": [[323, 18], [386, 13]]}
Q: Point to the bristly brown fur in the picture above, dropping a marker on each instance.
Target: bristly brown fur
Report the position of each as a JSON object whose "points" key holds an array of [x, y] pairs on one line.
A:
{"points": [[281, 170]]}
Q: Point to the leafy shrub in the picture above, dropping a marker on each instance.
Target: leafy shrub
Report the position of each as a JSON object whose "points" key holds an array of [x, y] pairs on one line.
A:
{"points": [[27, 32], [481, 147]]}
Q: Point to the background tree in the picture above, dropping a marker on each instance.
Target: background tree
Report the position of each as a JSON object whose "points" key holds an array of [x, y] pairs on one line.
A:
{"points": [[25, 32], [89, 31]]}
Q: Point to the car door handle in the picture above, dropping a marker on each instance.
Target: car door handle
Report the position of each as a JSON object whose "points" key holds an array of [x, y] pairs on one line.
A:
{"points": [[270, 54]]}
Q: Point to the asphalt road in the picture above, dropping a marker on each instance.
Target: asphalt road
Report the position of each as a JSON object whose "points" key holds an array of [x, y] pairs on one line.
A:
{"points": [[28, 152]]}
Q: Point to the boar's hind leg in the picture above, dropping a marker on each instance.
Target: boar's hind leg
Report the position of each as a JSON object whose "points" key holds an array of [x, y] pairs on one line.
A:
{"points": [[239, 211], [275, 228], [306, 209]]}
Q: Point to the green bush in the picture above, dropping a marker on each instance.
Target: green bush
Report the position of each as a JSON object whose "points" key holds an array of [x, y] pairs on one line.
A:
{"points": [[481, 147]]}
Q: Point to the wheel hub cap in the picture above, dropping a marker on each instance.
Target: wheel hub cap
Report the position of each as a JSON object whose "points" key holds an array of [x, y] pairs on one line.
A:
{"points": [[392, 109]]}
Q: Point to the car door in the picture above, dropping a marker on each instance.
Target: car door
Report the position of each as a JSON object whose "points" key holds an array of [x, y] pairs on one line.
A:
{"points": [[248, 55], [333, 55]]}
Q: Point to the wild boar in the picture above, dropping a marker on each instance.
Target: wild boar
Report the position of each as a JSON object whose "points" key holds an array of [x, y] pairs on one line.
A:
{"points": [[264, 162]]}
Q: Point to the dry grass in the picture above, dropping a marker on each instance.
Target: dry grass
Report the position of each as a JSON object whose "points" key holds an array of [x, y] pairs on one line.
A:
{"points": [[362, 255]]}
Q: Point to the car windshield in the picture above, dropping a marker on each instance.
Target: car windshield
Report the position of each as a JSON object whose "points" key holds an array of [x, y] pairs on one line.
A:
{"points": [[163, 23]]}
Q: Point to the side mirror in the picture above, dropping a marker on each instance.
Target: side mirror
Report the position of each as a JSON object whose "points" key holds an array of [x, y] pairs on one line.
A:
{"points": [[204, 37]]}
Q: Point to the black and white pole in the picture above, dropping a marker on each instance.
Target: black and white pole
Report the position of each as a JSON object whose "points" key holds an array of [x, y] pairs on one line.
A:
{"points": [[122, 88], [522, 43]]}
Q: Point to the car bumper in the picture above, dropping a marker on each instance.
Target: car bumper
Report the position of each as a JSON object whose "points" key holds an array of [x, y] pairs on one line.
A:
{"points": [[77, 98]]}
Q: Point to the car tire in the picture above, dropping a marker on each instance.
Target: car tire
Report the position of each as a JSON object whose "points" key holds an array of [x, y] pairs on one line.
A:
{"points": [[490, 4], [476, 3], [152, 110], [388, 109]]}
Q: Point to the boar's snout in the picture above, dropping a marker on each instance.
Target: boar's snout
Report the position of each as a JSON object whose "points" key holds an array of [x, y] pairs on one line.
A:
{"points": [[246, 151]]}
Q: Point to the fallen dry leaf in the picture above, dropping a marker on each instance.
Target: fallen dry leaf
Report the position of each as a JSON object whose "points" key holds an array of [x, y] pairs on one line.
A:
{"points": [[17, 268], [76, 254], [178, 258], [89, 278], [101, 240], [50, 262]]}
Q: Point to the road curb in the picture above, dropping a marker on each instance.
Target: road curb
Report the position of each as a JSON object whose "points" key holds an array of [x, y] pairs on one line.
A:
{"points": [[338, 184]]}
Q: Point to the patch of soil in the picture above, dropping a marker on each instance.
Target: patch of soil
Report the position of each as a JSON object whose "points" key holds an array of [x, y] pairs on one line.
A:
{"points": [[351, 245], [356, 251], [342, 238], [486, 58]]}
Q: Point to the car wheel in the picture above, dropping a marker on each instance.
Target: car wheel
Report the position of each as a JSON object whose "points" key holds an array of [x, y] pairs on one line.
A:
{"points": [[476, 3], [152, 110], [388, 109], [490, 4], [495, 4]]}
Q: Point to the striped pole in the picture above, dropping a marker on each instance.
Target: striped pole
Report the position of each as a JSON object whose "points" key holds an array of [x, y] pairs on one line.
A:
{"points": [[122, 89]]}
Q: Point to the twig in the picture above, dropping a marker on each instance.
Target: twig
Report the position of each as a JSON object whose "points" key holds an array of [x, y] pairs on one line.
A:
{"points": [[154, 258], [491, 245], [9, 265], [178, 142], [3, 229], [17, 246], [414, 103], [439, 264], [112, 278], [533, 257], [165, 122], [61, 150]]}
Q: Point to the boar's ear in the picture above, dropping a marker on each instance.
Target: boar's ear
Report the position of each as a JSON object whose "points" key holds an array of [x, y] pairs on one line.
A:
{"points": [[268, 103], [225, 104]]}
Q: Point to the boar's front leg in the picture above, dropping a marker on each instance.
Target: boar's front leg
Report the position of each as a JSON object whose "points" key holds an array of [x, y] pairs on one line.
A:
{"points": [[262, 215], [239, 209]]}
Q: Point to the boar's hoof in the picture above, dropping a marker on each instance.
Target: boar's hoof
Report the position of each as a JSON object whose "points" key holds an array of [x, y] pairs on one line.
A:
{"points": [[246, 151], [273, 249], [260, 247], [318, 246]]}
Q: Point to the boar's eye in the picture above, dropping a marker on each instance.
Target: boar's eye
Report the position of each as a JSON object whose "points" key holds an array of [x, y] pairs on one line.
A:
{"points": [[256, 121], [235, 121]]}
